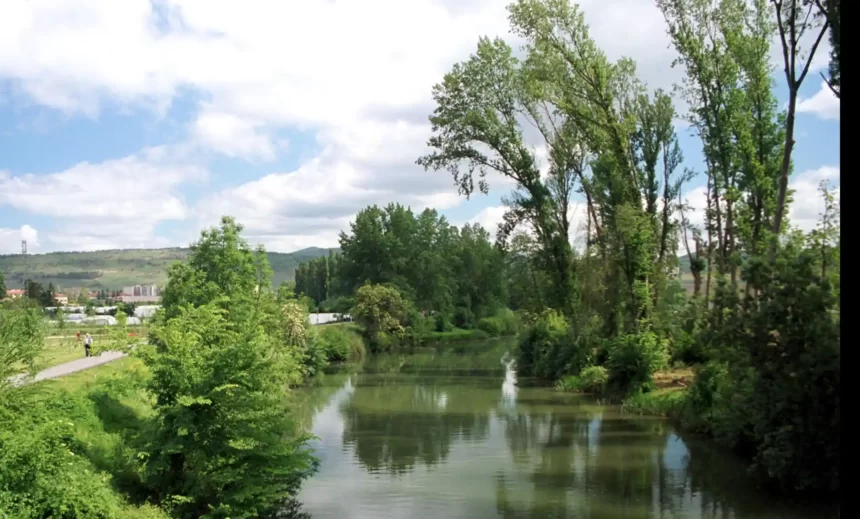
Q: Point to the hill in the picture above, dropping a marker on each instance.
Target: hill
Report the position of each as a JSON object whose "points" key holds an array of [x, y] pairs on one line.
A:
{"points": [[113, 269]]}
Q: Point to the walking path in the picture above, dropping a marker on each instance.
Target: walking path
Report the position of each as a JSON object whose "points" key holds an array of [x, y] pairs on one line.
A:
{"points": [[67, 368]]}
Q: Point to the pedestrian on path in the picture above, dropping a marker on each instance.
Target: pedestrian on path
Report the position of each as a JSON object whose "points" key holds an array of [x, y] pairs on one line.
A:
{"points": [[88, 342]]}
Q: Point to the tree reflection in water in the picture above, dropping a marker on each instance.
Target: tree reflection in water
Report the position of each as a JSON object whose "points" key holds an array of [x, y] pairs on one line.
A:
{"points": [[446, 435]]}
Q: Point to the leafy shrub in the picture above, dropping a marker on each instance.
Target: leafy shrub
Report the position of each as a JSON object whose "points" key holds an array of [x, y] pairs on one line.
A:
{"points": [[223, 443], [592, 379], [463, 318], [633, 359], [382, 311], [504, 322], [58, 460], [542, 345], [340, 343], [443, 322], [793, 338]]}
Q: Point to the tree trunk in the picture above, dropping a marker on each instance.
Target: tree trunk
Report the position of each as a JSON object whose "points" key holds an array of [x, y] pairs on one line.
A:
{"points": [[783, 174]]}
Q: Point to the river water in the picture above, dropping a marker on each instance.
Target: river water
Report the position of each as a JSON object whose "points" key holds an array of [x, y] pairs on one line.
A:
{"points": [[451, 433]]}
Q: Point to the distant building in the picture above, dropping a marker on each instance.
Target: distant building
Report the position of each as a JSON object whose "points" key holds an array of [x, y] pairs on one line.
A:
{"points": [[142, 290], [61, 299], [14, 293]]}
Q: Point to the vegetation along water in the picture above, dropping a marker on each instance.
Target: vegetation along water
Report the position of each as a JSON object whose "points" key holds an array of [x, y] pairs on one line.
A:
{"points": [[532, 375]]}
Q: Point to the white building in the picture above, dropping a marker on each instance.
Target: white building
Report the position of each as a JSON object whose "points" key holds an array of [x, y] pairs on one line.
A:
{"points": [[142, 291]]}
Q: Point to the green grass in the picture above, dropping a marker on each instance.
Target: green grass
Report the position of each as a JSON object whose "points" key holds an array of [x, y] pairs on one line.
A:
{"points": [[667, 402], [114, 269], [89, 378]]}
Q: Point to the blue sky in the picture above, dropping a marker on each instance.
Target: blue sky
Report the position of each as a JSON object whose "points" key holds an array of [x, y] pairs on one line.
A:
{"points": [[137, 123]]}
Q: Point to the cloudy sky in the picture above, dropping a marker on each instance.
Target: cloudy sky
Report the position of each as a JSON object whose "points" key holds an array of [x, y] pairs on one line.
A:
{"points": [[136, 123]]}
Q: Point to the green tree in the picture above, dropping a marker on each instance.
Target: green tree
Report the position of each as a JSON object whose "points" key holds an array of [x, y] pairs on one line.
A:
{"points": [[383, 312], [477, 105], [224, 443], [21, 338], [2, 286], [220, 266]]}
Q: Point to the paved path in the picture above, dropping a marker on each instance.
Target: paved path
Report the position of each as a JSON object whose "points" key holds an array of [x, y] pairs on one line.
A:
{"points": [[68, 368]]}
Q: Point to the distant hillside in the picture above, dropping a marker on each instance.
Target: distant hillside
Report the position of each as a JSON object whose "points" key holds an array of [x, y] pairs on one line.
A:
{"points": [[113, 269]]}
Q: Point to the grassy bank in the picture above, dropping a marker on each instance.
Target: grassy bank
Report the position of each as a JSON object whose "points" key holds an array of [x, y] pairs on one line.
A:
{"points": [[92, 417]]}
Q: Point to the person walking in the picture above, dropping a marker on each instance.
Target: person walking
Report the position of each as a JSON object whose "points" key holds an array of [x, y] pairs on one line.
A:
{"points": [[88, 342]]}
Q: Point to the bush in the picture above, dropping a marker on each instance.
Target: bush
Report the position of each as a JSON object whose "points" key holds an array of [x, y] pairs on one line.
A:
{"points": [[57, 458], [504, 322], [542, 345], [463, 318], [592, 379], [633, 359], [340, 343], [223, 441], [382, 311], [443, 322]]}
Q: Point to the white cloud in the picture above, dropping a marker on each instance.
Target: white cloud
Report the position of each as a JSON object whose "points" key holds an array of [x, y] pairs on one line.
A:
{"points": [[232, 136], [112, 204], [10, 239], [823, 104], [807, 204], [489, 218], [358, 75]]}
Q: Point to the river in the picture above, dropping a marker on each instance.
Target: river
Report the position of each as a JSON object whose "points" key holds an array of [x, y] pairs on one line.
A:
{"points": [[451, 433]]}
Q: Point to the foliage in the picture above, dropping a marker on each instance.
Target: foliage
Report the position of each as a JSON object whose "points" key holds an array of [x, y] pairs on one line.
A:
{"points": [[21, 337], [833, 11], [340, 343], [793, 341], [223, 443], [382, 311], [505, 322], [44, 473], [2, 286], [632, 361], [548, 349], [296, 338], [62, 455], [592, 379]]}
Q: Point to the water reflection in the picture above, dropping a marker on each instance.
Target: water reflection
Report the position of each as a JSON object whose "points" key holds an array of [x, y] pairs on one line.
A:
{"points": [[432, 435]]}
